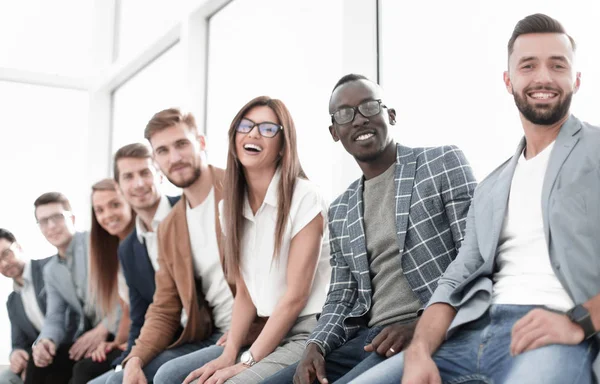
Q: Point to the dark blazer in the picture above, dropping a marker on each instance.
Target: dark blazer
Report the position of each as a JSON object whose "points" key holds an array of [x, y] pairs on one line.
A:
{"points": [[139, 274], [22, 330]]}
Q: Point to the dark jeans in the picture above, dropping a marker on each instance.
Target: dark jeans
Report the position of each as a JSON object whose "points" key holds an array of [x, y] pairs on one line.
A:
{"points": [[87, 369], [342, 364], [59, 372]]}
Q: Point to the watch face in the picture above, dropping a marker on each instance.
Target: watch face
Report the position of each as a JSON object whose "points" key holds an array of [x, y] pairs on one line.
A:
{"points": [[245, 358]]}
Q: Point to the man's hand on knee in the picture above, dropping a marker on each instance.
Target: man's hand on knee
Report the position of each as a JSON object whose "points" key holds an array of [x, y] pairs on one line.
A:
{"points": [[311, 366], [133, 373], [419, 367], [18, 360], [43, 352], [541, 327], [392, 339]]}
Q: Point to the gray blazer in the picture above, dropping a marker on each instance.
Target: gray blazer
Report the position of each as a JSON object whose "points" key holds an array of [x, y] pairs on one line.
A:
{"points": [[570, 209], [66, 282]]}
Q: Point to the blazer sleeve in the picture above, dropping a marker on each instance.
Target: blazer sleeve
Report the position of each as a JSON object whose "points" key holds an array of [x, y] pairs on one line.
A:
{"points": [[330, 332], [467, 262], [56, 309], [164, 314], [458, 188], [138, 306], [19, 337]]}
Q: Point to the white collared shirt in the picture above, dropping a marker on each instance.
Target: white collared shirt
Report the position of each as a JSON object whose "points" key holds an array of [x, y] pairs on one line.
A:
{"points": [[149, 238], [207, 261], [29, 298], [266, 278]]}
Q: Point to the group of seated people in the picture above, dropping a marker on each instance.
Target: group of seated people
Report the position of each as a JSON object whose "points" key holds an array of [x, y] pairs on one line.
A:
{"points": [[250, 276]]}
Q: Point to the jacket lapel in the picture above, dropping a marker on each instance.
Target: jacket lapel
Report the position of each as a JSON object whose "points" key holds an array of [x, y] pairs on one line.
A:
{"points": [[183, 260], [404, 178], [356, 232], [38, 284], [500, 193], [142, 261], [565, 142]]}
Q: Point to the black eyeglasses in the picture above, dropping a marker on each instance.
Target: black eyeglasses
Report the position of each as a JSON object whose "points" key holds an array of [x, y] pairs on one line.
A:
{"points": [[266, 129], [367, 109]]}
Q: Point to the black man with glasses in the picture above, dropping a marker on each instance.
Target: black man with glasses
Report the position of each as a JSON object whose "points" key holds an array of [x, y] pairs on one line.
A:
{"points": [[393, 232], [26, 305], [68, 302]]}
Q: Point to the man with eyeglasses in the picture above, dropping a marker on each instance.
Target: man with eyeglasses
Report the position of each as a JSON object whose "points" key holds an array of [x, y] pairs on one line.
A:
{"points": [[392, 234], [26, 305], [65, 277]]}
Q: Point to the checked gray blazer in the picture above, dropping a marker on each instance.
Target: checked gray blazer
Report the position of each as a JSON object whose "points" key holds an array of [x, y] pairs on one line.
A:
{"points": [[434, 187]]}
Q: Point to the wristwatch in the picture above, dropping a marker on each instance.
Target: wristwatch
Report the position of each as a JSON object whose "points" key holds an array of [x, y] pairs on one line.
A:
{"points": [[580, 315], [247, 359]]}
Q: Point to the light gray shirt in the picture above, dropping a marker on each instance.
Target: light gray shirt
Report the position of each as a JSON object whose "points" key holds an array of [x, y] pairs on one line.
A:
{"points": [[393, 299]]}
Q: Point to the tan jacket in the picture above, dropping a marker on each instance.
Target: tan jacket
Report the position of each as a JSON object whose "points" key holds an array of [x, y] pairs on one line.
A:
{"points": [[176, 286]]}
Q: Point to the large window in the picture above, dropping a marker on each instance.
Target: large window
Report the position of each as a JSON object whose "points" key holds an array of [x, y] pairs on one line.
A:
{"points": [[442, 64], [156, 87], [47, 36], [44, 140], [286, 50]]}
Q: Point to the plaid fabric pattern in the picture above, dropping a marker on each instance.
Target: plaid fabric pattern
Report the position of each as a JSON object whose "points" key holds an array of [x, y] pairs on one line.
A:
{"points": [[434, 187]]}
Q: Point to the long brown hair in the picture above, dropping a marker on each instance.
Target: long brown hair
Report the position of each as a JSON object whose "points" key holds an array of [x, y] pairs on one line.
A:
{"points": [[104, 261], [235, 182]]}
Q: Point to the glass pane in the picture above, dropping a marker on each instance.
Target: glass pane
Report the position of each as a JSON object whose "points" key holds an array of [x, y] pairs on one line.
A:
{"points": [[446, 80], [44, 140], [137, 32], [156, 87], [47, 36], [265, 47]]}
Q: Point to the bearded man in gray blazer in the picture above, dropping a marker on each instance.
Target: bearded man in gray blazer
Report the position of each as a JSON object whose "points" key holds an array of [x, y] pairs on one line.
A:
{"points": [[521, 303]]}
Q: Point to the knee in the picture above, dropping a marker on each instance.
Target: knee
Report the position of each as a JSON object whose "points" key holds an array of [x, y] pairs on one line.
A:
{"points": [[165, 374]]}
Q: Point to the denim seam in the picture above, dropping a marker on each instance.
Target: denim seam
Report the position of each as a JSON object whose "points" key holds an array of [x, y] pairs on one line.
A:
{"points": [[467, 378]]}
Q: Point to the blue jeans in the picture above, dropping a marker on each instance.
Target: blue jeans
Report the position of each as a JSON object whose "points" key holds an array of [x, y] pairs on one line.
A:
{"points": [[152, 367], [479, 352], [342, 364]]}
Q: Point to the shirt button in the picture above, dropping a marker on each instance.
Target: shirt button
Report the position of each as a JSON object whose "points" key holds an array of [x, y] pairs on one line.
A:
{"points": [[557, 265]]}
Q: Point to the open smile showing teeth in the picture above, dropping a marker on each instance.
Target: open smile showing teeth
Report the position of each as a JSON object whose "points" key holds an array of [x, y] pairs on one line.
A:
{"points": [[542, 95], [364, 136], [253, 148]]}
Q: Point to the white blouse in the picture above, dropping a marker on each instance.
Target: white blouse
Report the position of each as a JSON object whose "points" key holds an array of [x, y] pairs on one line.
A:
{"points": [[265, 277]]}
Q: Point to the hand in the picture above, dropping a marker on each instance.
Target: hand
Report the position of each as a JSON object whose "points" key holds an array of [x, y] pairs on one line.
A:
{"points": [[541, 327], [222, 340], [209, 369], [392, 339], [99, 355], [222, 375], [419, 367], [43, 352], [18, 361], [133, 373], [311, 366], [87, 343]]}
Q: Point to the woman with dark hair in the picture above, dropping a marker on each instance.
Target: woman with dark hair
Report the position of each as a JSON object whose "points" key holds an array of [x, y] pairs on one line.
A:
{"points": [[276, 251], [112, 221]]}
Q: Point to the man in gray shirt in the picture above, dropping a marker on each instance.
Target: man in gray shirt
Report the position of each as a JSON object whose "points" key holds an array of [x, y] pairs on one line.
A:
{"points": [[65, 277], [393, 232]]}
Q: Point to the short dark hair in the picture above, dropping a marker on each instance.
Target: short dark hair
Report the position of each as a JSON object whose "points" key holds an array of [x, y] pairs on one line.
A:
{"points": [[7, 235], [537, 23], [50, 198], [348, 78], [135, 150]]}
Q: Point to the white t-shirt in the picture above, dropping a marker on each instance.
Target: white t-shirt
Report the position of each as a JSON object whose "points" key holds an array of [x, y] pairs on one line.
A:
{"points": [[525, 275], [207, 262], [29, 298], [265, 278]]}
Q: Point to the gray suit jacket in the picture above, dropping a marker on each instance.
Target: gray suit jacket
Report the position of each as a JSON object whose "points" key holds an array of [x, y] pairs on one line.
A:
{"points": [[434, 187], [570, 209], [66, 282]]}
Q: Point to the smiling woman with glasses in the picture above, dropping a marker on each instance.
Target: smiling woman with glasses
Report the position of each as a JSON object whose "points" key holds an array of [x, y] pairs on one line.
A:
{"points": [[276, 251]]}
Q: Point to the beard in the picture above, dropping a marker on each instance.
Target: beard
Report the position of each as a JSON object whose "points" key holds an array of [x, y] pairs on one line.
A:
{"points": [[187, 182], [546, 114]]}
